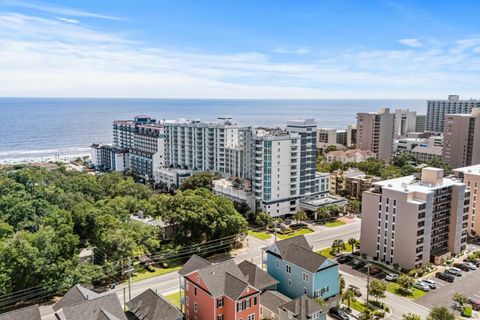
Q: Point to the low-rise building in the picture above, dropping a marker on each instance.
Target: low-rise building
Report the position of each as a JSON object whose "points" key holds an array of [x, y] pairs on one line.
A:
{"points": [[427, 153], [151, 306], [108, 158], [27, 313], [355, 155], [170, 179], [350, 183], [471, 177], [235, 189], [408, 144], [414, 220], [299, 270]]}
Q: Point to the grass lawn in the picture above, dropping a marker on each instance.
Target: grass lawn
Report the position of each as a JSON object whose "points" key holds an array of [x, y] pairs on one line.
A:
{"points": [[326, 252], [259, 235], [174, 298], [333, 224], [295, 233], [395, 288], [358, 305], [144, 274]]}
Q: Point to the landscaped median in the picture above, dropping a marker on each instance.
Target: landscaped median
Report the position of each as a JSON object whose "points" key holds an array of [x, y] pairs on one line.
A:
{"points": [[333, 224], [294, 233], [262, 235], [327, 251], [413, 293]]}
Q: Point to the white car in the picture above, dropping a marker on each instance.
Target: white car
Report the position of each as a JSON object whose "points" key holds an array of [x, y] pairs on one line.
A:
{"points": [[391, 277], [431, 283], [471, 265], [420, 285], [455, 271]]}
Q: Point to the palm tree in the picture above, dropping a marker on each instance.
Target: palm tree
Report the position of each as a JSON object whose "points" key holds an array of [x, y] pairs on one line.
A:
{"points": [[349, 295], [300, 216], [353, 243]]}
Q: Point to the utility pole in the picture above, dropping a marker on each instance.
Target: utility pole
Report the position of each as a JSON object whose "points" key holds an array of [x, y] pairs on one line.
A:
{"points": [[368, 280], [124, 298], [129, 279]]}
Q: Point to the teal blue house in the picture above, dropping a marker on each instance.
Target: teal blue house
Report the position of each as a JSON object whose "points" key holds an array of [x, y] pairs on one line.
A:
{"points": [[299, 270]]}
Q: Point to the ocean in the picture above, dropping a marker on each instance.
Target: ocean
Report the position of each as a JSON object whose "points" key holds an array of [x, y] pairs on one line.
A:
{"points": [[42, 128]]}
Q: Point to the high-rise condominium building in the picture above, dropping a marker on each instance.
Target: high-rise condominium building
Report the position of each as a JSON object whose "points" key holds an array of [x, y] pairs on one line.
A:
{"points": [[404, 122], [437, 109], [471, 177], [411, 221], [461, 146], [351, 135], [421, 123], [375, 132], [284, 166], [327, 136]]}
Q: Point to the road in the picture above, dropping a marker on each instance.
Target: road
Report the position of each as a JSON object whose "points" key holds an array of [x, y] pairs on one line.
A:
{"points": [[170, 282]]}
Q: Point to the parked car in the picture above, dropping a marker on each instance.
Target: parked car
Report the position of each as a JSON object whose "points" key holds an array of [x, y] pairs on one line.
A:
{"points": [[462, 266], [455, 271], [431, 283], [344, 258], [475, 304], [375, 271], [357, 265], [338, 313], [355, 289], [391, 277], [445, 276], [476, 262], [472, 266], [420, 285]]}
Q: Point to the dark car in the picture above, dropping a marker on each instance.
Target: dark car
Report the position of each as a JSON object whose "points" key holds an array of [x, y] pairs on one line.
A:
{"points": [[462, 266], [338, 313], [344, 258], [375, 271], [445, 276], [357, 265]]}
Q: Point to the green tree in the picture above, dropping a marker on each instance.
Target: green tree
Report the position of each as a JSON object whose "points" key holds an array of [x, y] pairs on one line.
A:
{"points": [[377, 289], [411, 316], [300, 216], [441, 313], [405, 282], [329, 148], [460, 298], [337, 246], [348, 296], [366, 315], [354, 206], [264, 219], [199, 180]]}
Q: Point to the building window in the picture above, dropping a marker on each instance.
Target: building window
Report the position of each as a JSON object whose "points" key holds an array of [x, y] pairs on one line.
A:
{"points": [[304, 290], [278, 264], [289, 282], [251, 316], [220, 302], [187, 300], [220, 317], [289, 269], [195, 291], [195, 307], [255, 300], [305, 277]]}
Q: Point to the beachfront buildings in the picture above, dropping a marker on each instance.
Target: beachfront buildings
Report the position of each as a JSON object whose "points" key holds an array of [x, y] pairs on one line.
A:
{"points": [[437, 109], [109, 158], [411, 221], [462, 139], [301, 271], [375, 132], [421, 123], [471, 177], [404, 121]]}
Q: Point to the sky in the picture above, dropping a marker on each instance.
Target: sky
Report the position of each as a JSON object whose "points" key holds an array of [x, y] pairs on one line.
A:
{"points": [[268, 49]]}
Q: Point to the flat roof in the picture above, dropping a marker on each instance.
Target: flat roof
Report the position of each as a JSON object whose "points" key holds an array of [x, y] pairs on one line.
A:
{"points": [[470, 170], [411, 184]]}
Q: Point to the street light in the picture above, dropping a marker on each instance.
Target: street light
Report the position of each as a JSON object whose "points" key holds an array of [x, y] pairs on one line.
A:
{"points": [[368, 280]]}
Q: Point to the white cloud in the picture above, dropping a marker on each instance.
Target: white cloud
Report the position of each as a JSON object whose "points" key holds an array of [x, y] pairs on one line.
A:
{"points": [[58, 9], [300, 50], [414, 43], [54, 57], [69, 20]]}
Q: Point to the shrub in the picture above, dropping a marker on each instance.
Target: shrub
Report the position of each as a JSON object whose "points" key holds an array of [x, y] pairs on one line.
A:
{"points": [[467, 312]]}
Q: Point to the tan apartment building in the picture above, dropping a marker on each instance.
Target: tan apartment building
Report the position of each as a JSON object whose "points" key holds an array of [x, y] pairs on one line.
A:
{"points": [[471, 177], [375, 132], [461, 146], [350, 183], [414, 220]]}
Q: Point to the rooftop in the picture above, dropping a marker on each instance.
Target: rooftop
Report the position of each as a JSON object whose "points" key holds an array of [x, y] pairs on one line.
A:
{"points": [[435, 150], [474, 170]]}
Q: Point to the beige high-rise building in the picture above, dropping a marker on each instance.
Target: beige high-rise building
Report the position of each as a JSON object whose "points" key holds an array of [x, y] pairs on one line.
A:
{"points": [[471, 177], [375, 132], [411, 221], [461, 146]]}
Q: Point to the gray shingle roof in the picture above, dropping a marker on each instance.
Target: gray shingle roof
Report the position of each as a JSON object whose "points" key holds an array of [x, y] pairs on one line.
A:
{"points": [[27, 313], [215, 278], [272, 300], [102, 308], [76, 294], [194, 263], [256, 276], [151, 306], [302, 307], [297, 250]]}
